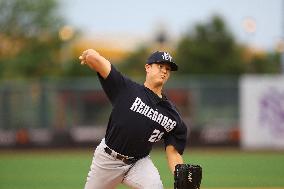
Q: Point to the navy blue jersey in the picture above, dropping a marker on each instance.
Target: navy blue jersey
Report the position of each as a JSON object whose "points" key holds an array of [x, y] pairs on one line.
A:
{"points": [[140, 118]]}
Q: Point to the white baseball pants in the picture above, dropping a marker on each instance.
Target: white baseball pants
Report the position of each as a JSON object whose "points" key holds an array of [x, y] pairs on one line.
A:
{"points": [[106, 172]]}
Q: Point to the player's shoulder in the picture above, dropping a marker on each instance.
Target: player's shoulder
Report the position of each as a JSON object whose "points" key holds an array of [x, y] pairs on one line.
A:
{"points": [[171, 104], [131, 84], [174, 108], [118, 73]]}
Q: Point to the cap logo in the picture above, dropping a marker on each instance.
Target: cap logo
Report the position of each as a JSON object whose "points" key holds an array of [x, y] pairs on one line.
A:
{"points": [[167, 56]]}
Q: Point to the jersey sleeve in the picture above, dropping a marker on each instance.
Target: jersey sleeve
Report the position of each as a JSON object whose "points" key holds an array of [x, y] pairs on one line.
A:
{"points": [[113, 84], [177, 138]]}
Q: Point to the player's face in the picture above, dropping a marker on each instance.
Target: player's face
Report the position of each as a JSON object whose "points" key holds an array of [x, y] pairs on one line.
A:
{"points": [[158, 73]]}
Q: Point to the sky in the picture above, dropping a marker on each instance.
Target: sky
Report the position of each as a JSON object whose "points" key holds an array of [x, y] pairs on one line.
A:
{"points": [[145, 18]]}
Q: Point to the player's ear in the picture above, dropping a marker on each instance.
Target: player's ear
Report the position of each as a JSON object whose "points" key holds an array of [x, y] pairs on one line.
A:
{"points": [[147, 67]]}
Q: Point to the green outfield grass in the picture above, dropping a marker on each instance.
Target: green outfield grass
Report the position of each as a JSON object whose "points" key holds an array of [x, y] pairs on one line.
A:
{"points": [[67, 169]]}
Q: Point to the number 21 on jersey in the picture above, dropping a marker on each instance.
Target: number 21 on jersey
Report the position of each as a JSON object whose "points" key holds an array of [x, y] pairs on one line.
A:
{"points": [[156, 136]]}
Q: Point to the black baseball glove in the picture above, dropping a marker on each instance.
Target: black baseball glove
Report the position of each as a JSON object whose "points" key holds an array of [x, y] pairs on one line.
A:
{"points": [[187, 176]]}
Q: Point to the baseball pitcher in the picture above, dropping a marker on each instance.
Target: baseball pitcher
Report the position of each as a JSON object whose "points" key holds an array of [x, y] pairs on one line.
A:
{"points": [[141, 115]]}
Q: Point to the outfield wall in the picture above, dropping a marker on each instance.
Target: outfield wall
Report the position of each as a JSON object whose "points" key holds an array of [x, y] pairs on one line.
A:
{"points": [[70, 112], [262, 112], [75, 111]]}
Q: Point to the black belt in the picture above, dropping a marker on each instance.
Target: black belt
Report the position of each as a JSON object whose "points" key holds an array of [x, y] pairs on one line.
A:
{"points": [[124, 159]]}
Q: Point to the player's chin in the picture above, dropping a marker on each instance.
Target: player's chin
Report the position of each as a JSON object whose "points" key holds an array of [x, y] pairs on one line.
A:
{"points": [[162, 81]]}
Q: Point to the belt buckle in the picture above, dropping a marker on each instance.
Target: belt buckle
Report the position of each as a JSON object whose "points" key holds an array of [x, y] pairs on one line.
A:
{"points": [[124, 159], [130, 160]]}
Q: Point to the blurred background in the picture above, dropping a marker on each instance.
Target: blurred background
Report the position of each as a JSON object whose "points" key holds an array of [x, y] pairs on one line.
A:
{"points": [[229, 54], [229, 87]]}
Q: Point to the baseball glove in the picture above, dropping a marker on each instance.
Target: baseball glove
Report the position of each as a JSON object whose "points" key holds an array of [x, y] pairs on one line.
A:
{"points": [[187, 176]]}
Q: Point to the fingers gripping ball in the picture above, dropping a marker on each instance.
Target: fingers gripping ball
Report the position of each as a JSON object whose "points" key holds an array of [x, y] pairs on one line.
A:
{"points": [[187, 176]]}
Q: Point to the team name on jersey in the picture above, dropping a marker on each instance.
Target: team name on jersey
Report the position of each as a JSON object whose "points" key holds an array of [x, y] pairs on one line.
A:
{"points": [[140, 107]]}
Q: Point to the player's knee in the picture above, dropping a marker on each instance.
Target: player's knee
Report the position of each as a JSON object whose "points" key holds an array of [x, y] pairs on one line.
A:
{"points": [[144, 183]]}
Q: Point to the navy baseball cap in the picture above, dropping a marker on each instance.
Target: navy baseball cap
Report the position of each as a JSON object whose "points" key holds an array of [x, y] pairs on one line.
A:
{"points": [[161, 57]]}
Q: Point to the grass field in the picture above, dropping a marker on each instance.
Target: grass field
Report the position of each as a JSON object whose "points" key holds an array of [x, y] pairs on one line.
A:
{"points": [[67, 169]]}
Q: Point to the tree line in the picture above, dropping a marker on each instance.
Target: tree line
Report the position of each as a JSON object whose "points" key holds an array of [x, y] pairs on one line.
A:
{"points": [[30, 47]]}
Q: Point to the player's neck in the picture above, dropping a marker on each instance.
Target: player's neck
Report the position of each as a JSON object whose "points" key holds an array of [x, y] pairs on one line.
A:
{"points": [[156, 89]]}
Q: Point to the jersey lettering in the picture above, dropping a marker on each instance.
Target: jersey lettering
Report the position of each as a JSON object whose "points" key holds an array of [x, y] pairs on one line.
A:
{"points": [[140, 107], [159, 119], [146, 109], [135, 104], [155, 114], [149, 115], [164, 122]]}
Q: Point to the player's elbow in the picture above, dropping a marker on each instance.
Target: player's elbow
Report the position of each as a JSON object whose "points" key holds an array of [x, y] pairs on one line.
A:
{"points": [[99, 64], [171, 150]]}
